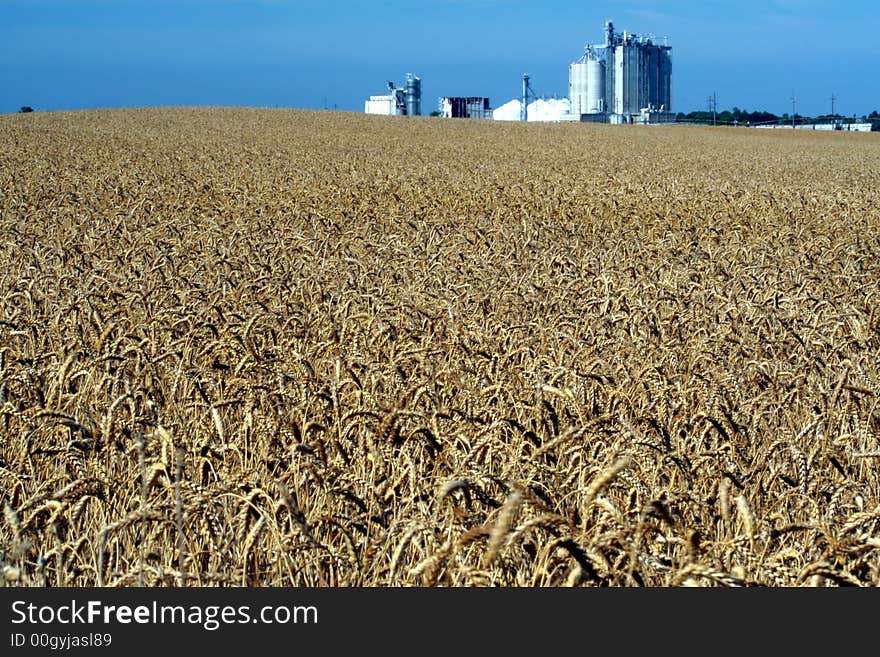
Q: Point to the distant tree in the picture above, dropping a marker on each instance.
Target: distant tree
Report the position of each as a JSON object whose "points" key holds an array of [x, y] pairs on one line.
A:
{"points": [[435, 113], [763, 117], [700, 117], [25, 109], [735, 117]]}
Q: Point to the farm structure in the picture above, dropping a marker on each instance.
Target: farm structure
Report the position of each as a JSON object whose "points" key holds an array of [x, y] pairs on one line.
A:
{"points": [[618, 81]]}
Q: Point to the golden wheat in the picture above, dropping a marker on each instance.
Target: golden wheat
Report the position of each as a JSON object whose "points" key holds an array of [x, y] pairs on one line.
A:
{"points": [[291, 348]]}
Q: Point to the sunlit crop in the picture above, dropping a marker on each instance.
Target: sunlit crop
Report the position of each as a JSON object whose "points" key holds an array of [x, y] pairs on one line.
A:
{"points": [[292, 348]]}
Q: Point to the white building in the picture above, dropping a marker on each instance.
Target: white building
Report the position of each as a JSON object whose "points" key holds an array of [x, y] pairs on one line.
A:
{"points": [[550, 110], [386, 105]]}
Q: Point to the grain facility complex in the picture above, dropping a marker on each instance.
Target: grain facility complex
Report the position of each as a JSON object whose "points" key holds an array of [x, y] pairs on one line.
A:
{"points": [[406, 101], [626, 79]]}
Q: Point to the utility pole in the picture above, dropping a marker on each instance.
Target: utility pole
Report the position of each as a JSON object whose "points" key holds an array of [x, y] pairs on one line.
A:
{"points": [[793, 109], [713, 107], [832, 106]]}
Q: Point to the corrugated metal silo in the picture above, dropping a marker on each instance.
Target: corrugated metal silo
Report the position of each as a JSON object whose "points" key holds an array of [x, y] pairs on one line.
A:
{"points": [[627, 70], [595, 95], [664, 91], [578, 82], [413, 95]]}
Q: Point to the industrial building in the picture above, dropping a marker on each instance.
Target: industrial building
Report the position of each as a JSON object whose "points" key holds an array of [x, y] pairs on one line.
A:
{"points": [[532, 108], [544, 110], [405, 101], [460, 107], [626, 79]]}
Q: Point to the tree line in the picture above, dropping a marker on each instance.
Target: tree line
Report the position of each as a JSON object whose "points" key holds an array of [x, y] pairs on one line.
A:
{"points": [[738, 116]]}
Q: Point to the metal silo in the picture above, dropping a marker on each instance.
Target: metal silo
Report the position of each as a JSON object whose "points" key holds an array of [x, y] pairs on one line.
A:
{"points": [[664, 85], [595, 95], [578, 82], [627, 78], [413, 95]]}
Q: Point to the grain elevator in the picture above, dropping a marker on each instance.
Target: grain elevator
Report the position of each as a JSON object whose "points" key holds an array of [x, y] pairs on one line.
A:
{"points": [[625, 79]]}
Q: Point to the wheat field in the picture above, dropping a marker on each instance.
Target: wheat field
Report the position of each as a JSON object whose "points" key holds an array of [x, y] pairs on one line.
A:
{"points": [[256, 347]]}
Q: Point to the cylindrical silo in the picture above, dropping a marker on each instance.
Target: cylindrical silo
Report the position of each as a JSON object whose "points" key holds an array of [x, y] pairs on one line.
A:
{"points": [[577, 87], [413, 95], [595, 86]]}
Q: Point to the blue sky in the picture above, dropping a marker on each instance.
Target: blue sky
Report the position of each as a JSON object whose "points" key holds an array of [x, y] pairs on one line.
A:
{"points": [[756, 55]]}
